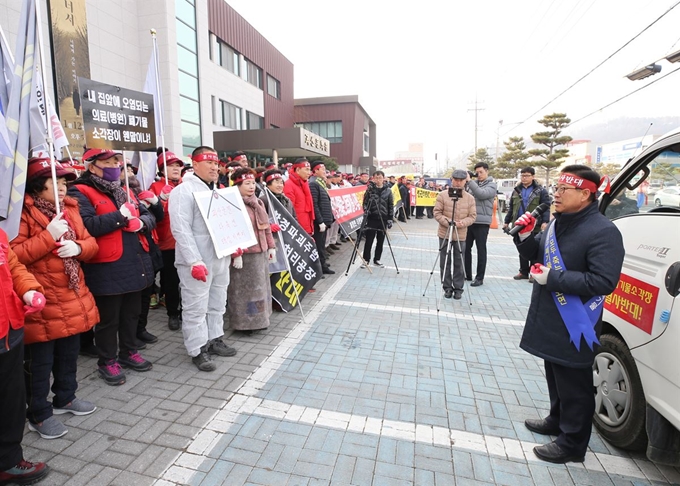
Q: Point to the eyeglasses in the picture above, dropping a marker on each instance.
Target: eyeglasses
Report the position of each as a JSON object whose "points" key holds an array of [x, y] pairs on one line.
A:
{"points": [[526, 175], [560, 190]]}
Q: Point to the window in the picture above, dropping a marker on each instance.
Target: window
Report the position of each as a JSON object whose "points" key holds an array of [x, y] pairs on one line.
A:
{"points": [[186, 36], [255, 122], [273, 87], [331, 131], [187, 62], [189, 110], [228, 58], [253, 74], [231, 115], [367, 142]]}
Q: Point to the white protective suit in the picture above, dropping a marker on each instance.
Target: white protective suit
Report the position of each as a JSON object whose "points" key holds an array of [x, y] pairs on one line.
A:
{"points": [[203, 303]]}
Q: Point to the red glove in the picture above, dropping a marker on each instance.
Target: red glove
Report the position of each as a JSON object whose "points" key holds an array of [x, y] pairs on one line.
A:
{"points": [[528, 221], [536, 268], [165, 192], [237, 253], [147, 198], [199, 271], [275, 227], [129, 210], [134, 225], [35, 302]]}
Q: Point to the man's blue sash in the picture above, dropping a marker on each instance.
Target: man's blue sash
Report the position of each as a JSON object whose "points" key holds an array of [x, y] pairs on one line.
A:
{"points": [[579, 318]]}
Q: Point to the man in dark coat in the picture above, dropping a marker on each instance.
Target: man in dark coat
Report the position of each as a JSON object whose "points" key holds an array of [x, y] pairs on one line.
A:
{"points": [[527, 196], [378, 211], [583, 258], [323, 216], [405, 210]]}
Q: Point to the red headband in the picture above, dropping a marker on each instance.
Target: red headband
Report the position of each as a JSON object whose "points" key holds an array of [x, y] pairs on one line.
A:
{"points": [[211, 156], [300, 164], [273, 176], [243, 177], [574, 180]]}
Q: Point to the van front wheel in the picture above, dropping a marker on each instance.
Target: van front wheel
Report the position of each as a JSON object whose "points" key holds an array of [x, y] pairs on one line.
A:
{"points": [[620, 409]]}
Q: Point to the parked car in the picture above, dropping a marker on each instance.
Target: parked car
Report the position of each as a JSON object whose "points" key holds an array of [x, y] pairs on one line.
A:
{"points": [[669, 196], [636, 369]]}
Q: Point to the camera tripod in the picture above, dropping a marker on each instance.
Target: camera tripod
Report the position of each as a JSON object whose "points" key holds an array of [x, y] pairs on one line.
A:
{"points": [[360, 232], [448, 242]]}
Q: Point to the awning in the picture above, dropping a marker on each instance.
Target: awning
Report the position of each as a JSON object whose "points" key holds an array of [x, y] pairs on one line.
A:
{"points": [[287, 142]]}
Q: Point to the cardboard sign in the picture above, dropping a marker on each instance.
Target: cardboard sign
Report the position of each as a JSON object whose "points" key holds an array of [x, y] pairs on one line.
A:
{"points": [[227, 220]]}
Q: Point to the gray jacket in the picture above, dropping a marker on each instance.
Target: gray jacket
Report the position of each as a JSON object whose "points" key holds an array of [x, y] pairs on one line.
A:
{"points": [[483, 192]]}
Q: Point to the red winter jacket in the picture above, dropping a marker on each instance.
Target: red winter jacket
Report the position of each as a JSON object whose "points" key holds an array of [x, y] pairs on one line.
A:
{"points": [[15, 281], [68, 311], [165, 239], [297, 191]]}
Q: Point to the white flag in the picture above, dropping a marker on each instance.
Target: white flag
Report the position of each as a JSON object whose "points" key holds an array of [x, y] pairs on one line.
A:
{"points": [[40, 102]]}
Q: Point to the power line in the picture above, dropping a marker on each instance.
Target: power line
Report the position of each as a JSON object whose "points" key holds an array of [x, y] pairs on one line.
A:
{"points": [[600, 64], [626, 96]]}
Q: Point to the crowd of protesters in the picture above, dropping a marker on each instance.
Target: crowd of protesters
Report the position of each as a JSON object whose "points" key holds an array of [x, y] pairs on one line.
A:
{"points": [[82, 274]]}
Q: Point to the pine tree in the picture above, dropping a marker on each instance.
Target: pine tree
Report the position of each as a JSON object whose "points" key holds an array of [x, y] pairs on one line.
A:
{"points": [[513, 159], [551, 156], [482, 155]]}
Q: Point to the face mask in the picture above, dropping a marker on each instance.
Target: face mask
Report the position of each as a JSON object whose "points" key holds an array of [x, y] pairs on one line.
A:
{"points": [[110, 173]]}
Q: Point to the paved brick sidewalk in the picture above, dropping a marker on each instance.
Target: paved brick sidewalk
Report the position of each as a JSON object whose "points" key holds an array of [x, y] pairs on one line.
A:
{"points": [[375, 387]]}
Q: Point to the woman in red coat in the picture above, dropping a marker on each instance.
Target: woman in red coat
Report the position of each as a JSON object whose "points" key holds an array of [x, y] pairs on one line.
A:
{"points": [[51, 246]]}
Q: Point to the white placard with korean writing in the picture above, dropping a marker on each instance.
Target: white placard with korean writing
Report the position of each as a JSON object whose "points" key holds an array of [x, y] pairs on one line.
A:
{"points": [[227, 219]]}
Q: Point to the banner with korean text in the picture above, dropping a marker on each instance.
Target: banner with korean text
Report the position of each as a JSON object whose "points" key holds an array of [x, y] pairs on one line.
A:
{"points": [[117, 118], [303, 259], [425, 197], [346, 204]]}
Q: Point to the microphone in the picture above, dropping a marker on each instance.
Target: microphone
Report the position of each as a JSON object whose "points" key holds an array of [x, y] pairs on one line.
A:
{"points": [[542, 208]]}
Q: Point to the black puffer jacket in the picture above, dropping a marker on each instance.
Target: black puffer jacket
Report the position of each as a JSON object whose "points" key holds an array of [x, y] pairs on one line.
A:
{"points": [[378, 202], [322, 202], [592, 252], [133, 271]]}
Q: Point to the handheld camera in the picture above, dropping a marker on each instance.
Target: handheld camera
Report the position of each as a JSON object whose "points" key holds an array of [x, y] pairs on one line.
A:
{"points": [[455, 192]]}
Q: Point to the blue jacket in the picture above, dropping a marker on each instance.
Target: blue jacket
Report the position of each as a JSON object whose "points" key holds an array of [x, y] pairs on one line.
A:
{"points": [[592, 251], [133, 271]]}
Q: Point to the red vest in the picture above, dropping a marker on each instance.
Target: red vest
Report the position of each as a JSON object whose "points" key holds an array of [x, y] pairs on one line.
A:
{"points": [[11, 306], [110, 244]]}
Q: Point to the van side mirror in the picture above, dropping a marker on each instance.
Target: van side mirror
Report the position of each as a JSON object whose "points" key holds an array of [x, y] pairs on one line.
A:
{"points": [[672, 280]]}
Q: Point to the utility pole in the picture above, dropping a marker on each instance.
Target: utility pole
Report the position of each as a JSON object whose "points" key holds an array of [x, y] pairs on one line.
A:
{"points": [[476, 109], [498, 135]]}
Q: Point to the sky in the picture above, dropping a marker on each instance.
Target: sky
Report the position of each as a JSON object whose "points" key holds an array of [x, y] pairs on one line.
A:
{"points": [[420, 68]]}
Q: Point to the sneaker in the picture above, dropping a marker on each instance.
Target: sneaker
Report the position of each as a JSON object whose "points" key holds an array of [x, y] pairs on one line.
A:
{"points": [[153, 303], [203, 361], [112, 373], [76, 407], [364, 265], [24, 473], [335, 246], [520, 276], [174, 323], [378, 264], [330, 250], [448, 294], [146, 337], [50, 428], [457, 294], [135, 361], [217, 347]]}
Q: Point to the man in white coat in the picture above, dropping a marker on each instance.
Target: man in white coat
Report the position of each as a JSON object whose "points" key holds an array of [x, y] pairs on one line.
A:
{"points": [[203, 276]]}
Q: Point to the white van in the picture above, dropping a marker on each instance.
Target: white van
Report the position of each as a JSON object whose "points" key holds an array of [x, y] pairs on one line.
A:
{"points": [[637, 367], [504, 189]]}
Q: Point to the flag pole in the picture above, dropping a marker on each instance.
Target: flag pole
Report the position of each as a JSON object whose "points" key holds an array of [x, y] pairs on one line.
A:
{"points": [[48, 123], [160, 102]]}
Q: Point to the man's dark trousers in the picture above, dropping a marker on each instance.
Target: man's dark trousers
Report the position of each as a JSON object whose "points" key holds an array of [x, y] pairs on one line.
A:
{"points": [[457, 281], [12, 406], [572, 404], [477, 235], [373, 230], [320, 240]]}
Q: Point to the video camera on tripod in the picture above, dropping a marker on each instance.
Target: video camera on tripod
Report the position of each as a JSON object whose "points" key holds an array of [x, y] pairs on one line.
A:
{"points": [[455, 193]]}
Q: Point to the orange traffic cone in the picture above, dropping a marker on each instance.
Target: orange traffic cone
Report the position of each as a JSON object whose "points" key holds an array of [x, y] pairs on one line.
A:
{"points": [[494, 218]]}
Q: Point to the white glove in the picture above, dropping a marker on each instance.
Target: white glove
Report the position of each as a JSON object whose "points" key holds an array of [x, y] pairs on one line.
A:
{"points": [[129, 211], [147, 198], [238, 262], [322, 227], [57, 227], [271, 255], [68, 249], [540, 273]]}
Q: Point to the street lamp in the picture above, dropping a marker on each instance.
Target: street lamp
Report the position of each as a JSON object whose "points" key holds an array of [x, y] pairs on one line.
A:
{"points": [[645, 72], [673, 57]]}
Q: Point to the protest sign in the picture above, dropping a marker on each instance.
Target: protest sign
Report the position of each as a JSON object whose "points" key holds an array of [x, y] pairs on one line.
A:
{"points": [[303, 259], [346, 204], [228, 222], [117, 118], [425, 197]]}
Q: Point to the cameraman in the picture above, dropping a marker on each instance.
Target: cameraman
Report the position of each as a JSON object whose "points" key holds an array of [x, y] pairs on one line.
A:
{"points": [[378, 211], [484, 192], [465, 215]]}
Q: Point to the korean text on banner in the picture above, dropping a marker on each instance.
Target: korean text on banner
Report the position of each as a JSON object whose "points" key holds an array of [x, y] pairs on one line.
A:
{"points": [[346, 204], [227, 220], [425, 197], [303, 259]]}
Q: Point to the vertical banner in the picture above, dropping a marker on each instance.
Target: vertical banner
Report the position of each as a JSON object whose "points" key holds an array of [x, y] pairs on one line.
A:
{"points": [[71, 59]]}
